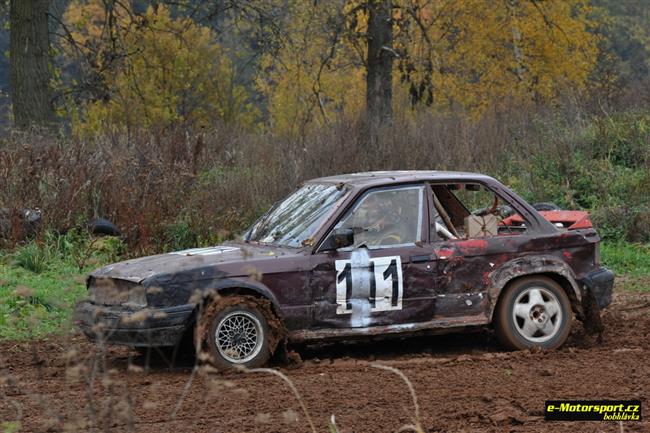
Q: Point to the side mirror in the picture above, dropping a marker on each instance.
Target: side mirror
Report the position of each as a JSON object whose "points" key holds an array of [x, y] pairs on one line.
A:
{"points": [[339, 238]]}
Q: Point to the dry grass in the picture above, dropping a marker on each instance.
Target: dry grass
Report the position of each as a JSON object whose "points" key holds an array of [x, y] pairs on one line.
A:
{"points": [[185, 188], [416, 426]]}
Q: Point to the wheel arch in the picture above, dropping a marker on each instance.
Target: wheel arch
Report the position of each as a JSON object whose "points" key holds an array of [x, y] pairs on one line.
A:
{"points": [[546, 266], [219, 296], [235, 287]]}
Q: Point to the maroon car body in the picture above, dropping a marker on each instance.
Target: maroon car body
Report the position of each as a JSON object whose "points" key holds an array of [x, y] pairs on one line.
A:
{"points": [[434, 283]]}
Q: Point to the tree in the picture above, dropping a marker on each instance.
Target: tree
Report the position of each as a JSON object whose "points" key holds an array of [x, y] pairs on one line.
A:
{"points": [[335, 59], [379, 62], [30, 68], [156, 71], [464, 54], [475, 53], [314, 77]]}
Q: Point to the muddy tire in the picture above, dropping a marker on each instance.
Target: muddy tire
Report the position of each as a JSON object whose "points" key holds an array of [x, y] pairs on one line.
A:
{"points": [[533, 312], [103, 227], [234, 334]]}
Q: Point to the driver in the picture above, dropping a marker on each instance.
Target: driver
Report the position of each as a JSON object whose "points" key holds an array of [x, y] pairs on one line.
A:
{"points": [[378, 220]]}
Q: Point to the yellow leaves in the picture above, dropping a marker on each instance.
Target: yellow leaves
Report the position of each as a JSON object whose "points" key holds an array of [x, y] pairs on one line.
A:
{"points": [[449, 53], [470, 53], [316, 78], [521, 49], [87, 22], [171, 72]]}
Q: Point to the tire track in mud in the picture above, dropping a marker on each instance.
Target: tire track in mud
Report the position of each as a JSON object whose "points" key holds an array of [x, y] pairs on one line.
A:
{"points": [[463, 383]]}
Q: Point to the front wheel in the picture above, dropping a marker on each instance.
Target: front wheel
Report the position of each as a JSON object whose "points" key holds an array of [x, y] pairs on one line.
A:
{"points": [[236, 335], [533, 312]]}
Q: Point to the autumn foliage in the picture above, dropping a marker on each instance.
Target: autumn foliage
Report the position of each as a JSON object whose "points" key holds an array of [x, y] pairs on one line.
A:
{"points": [[154, 69], [157, 70], [461, 53], [182, 121]]}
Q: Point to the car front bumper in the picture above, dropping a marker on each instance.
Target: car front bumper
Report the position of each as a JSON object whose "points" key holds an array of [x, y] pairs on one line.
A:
{"points": [[600, 283], [148, 327]]}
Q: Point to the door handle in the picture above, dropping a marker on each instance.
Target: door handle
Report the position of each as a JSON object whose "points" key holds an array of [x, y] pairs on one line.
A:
{"points": [[420, 259]]}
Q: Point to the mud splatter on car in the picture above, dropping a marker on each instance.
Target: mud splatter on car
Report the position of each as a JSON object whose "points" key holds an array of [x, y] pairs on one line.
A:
{"points": [[365, 254]]}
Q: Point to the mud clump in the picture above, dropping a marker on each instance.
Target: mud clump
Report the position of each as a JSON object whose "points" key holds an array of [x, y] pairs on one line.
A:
{"points": [[293, 358], [593, 323]]}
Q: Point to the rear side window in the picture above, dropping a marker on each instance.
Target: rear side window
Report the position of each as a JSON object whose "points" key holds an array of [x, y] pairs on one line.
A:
{"points": [[470, 210]]}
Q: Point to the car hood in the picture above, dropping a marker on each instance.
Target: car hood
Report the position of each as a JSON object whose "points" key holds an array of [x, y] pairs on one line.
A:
{"points": [[227, 256]]}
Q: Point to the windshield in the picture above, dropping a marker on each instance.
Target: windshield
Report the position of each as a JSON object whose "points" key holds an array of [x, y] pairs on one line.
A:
{"points": [[295, 218]]}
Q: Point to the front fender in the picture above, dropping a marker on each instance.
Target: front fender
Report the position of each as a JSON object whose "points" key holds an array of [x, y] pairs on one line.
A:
{"points": [[247, 284], [172, 290]]}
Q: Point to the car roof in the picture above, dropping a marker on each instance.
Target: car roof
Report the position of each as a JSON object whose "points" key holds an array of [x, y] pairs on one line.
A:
{"points": [[371, 178]]}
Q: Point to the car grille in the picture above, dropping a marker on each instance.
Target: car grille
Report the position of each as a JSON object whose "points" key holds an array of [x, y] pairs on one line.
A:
{"points": [[110, 291]]}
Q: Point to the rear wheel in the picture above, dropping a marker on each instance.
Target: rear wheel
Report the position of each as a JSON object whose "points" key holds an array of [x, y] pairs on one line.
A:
{"points": [[236, 335], [533, 312]]}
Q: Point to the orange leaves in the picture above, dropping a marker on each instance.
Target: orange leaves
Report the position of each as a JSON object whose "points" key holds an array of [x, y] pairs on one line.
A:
{"points": [[469, 53]]}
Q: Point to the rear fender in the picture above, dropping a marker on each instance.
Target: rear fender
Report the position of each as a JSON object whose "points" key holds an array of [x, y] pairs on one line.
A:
{"points": [[535, 265]]}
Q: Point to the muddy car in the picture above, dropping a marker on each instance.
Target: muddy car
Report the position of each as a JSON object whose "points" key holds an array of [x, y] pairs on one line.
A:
{"points": [[363, 255]]}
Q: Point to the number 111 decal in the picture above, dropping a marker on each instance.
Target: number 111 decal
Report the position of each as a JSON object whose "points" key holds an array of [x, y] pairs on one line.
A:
{"points": [[377, 281]]}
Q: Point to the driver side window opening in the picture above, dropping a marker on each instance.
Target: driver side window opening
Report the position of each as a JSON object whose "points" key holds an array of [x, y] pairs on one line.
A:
{"points": [[386, 217], [469, 211]]}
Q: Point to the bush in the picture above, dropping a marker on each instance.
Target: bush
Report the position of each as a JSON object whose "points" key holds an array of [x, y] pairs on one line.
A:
{"points": [[639, 229], [75, 247], [623, 139], [32, 257], [184, 188]]}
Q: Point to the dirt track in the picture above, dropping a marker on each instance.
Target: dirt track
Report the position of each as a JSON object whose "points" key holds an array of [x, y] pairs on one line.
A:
{"points": [[463, 383]]}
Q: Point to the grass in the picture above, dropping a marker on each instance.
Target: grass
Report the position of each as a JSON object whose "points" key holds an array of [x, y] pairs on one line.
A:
{"points": [[37, 304], [41, 282], [630, 263], [631, 260]]}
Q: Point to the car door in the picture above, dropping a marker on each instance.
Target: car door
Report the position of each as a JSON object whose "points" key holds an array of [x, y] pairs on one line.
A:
{"points": [[466, 261], [387, 276]]}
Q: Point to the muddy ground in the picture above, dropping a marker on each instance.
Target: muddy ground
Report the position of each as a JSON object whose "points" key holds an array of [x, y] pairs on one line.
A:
{"points": [[464, 383]]}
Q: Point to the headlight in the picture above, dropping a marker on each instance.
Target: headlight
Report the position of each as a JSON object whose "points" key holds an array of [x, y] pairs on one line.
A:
{"points": [[137, 297], [111, 291]]}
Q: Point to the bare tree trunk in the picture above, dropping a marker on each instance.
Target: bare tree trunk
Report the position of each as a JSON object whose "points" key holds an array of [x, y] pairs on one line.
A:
{"points": [[30, 73], [379, 86]]}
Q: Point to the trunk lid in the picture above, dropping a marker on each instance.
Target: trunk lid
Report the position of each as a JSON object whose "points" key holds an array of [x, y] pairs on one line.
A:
{"points": [[567, 219]]}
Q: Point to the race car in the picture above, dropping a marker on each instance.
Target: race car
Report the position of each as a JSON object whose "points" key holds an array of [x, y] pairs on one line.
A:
{"points": [[363, 255]]}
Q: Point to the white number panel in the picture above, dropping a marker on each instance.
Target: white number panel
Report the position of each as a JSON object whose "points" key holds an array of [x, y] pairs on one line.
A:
{"points": [[376, 281]]}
